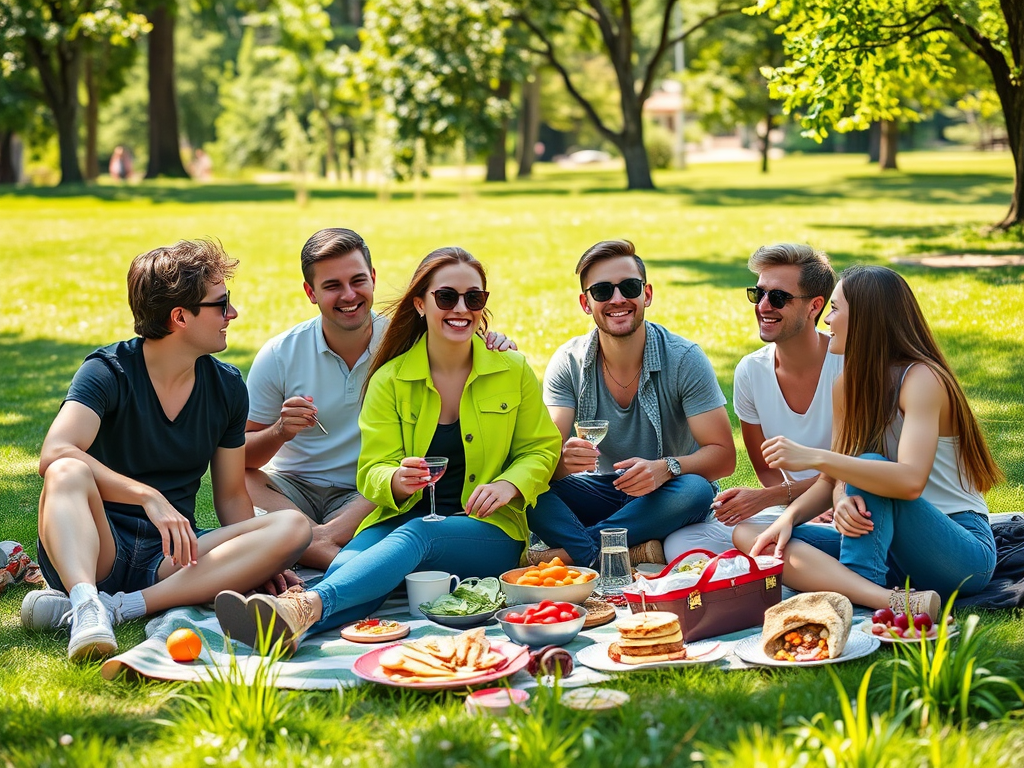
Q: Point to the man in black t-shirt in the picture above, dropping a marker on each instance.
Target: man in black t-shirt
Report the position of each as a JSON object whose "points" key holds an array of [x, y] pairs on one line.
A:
{"points": [[123, 460]]}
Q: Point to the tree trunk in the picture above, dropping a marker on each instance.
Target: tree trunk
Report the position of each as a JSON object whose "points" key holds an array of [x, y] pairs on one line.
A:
{"points": [[638, 167], [164, 150], [60, 86], [497, 161], [874, 142], [889, 145], [352, 155], [333, 158], [529, 125], [92, 119], [7, 175], [766, 142]]}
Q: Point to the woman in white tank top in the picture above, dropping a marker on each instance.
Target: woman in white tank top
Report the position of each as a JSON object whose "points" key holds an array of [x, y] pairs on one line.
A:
{"points": [[907, 471]]}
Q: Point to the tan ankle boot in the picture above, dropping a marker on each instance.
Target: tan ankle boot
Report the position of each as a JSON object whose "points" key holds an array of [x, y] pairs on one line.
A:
{"points": [[285, 617]]}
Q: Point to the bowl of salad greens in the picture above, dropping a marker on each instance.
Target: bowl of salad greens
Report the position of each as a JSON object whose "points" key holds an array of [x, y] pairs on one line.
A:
{"points": [[472, 603]]}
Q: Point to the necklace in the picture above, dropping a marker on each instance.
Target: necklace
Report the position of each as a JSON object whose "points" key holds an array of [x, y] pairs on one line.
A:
{"points": [[621, 385]]}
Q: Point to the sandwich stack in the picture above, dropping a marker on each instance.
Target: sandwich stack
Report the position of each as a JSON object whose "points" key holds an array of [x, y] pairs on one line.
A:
{"points": [[646, 638]]}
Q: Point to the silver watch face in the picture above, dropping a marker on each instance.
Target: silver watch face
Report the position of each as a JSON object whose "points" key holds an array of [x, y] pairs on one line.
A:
{"points": [[673, 466]]}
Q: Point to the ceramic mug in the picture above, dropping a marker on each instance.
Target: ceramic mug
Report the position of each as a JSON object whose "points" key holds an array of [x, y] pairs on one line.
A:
{"points": [[424, 586]]}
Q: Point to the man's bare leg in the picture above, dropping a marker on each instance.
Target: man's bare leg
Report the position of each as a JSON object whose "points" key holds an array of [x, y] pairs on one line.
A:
{"points": [[329, 538], [808, 569], [73, 525], [238, 557]]}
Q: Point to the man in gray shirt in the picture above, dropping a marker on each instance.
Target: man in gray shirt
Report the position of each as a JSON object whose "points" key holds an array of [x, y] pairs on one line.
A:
{"points": [[668, 435]]}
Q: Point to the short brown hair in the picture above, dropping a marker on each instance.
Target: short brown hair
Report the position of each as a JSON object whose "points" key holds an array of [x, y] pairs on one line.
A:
{"points": [[331, 243], [817, 278], [174, 276], [608, 249]]}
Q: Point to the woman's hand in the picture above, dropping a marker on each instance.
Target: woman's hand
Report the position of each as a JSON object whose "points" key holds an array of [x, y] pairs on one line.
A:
{"points": [[489, 498], [734, 505], [783, 453], [411, 476], [851, 517], [778, 533]]}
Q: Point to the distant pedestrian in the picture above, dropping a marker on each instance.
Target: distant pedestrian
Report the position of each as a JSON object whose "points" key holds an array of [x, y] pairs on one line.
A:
{"points": [[202, 166], [120, 164]]}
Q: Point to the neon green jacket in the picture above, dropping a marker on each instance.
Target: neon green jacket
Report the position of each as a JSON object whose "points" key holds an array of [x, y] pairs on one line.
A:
{"points": [[506, 431]]}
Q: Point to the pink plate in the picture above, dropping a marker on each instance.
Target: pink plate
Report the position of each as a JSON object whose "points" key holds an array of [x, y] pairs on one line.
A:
{"points": [[368, 668]]}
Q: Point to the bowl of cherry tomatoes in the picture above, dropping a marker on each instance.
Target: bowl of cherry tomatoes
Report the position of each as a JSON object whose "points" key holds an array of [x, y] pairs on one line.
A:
{"points": [[549, 622]]}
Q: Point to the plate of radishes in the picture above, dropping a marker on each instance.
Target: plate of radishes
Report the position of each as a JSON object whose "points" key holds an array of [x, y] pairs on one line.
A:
{"points": [[891, 627]]}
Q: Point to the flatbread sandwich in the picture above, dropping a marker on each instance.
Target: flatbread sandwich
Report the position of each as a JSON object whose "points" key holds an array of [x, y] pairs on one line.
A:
{"points": [[812, 626], [646, 638]]}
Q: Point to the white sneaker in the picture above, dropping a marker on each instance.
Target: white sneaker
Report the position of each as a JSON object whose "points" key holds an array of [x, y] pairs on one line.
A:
{"points": [[45, 609], [91, 631]]}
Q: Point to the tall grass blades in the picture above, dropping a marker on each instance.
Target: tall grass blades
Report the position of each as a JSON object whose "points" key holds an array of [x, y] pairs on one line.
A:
{"points": [[238, 708], [549, 735], [954, 682]]}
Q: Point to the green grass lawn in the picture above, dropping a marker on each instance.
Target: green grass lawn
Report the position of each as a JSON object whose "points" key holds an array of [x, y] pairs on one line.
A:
{"points": [[63, 259]]}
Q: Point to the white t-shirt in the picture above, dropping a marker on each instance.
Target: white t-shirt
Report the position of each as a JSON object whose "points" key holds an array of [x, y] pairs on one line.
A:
{"points": [[758, 399], [299, 362]]}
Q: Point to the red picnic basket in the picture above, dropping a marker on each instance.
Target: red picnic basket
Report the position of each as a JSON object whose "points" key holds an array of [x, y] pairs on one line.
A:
{"points": [[715, 608]]}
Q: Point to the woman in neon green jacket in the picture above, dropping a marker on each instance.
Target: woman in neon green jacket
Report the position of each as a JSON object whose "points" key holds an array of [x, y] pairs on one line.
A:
{"points": [[434, 390]]}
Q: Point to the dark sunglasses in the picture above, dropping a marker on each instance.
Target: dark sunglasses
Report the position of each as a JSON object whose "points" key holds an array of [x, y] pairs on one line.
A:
{"points": [[447, 298], [629, 289], [222, 303], [776, 297]]}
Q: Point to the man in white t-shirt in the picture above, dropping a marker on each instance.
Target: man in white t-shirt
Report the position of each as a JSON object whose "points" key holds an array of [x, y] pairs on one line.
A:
{"points": [[305, 391], [784, 388]]}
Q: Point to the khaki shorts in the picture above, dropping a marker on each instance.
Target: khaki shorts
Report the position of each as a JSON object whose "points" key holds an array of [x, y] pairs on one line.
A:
{"points": [[320, 504]]}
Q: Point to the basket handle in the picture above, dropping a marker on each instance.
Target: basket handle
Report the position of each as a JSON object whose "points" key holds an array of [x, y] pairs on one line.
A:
{"points": [[668, 568], [709, 571]]}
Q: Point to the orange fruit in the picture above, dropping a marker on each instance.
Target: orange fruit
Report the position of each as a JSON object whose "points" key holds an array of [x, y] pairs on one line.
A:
{"points": [[184, 645]]}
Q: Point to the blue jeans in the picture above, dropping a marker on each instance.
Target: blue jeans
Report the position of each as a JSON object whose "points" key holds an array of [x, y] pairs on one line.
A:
{"points": [[912, 538], [578, 507], [379, 558]]}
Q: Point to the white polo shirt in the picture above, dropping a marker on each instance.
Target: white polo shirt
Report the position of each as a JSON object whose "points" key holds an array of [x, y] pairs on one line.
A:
{"points": [[299, 362], [758, 399]]}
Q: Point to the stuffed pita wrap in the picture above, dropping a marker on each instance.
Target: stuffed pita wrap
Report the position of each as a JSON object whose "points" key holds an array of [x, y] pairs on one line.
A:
{"points": [[809, 627]]}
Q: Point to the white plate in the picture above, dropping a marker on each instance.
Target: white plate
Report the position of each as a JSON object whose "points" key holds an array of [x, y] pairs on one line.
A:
{"points": [[596, 657], [865, 627], [858, 645]]}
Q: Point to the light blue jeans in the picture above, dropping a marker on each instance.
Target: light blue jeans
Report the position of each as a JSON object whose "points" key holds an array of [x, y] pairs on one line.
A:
{"points": [[912, 538], [578, 507], [379, 558]]}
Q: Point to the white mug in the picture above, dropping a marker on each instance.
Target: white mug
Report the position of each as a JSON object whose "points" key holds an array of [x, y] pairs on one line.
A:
{"points": [[424, 586]]}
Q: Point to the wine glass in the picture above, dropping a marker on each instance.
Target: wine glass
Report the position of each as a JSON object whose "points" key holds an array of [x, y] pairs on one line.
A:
{"points": [[593, 431], [436, 465]]}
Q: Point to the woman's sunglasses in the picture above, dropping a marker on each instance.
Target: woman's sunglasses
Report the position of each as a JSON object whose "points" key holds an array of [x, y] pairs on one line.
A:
{"points": [[447, 298], [776, 296], [629, 289], [222, 303]]}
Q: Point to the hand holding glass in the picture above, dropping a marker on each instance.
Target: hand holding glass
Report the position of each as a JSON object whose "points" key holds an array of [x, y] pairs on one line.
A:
{"points": [[436, 465], [593, 432]]}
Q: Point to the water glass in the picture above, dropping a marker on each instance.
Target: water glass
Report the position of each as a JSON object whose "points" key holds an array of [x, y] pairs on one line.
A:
{"points": [[615, 567]]}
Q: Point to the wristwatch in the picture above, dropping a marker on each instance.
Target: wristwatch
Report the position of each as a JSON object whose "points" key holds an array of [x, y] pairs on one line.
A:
{"points": [[673, 466]]}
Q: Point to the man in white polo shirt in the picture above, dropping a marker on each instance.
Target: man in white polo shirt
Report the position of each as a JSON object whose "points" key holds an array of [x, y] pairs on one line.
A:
{"points": [[305, 391], [783, 388]]}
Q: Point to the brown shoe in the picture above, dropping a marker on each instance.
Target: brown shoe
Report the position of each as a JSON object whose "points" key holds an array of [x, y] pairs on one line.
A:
{"points": [[913, 602], [648, 552], [285, 617]]}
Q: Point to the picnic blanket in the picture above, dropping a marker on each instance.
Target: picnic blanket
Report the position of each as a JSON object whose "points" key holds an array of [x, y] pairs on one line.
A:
{"points": [[324, 661]]}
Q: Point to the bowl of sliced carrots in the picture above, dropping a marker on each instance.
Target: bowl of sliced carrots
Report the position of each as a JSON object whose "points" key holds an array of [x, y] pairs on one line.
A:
{"points": [[552, 580]]}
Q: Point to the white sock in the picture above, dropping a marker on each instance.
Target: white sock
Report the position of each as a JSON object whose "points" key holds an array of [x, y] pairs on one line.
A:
{"points": [[82, 592], [125, 606]]}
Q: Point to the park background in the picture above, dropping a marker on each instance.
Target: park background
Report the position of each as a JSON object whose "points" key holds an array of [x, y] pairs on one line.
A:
{"points": [[311, 119]]}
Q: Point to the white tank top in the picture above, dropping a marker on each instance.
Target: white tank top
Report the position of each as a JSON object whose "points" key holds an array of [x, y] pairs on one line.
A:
{"points": [[943, 489]]}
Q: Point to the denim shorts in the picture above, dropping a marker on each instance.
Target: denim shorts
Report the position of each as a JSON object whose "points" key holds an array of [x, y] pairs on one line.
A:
{"points": [[139, 554]]}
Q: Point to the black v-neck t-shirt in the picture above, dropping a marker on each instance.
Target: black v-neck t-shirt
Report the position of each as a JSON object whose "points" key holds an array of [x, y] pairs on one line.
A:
{"points": [[136, 439]]}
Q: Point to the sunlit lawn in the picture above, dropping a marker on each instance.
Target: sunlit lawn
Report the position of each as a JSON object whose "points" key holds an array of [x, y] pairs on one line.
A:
{"points": [[62, 291]]}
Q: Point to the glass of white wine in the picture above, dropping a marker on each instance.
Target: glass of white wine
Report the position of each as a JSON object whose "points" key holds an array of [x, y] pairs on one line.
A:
{"points": [[593, 431]]}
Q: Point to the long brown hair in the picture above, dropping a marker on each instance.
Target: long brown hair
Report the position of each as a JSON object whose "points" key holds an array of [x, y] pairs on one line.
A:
{"points": [[886, 333], [407, 326]]}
